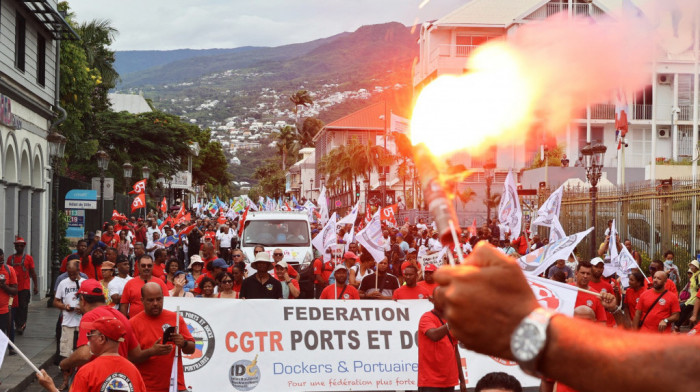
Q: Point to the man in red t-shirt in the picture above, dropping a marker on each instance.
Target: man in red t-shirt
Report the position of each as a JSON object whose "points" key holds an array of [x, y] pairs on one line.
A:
{"points": [[658, 308], [24, 269], [8, 288], [149, 327], [92, 306], [437, 365], [109, 237], [598, 284], [583, 277], [428, 281], [109, 371], [341, 289], [410, 290], [655, 266], [130, 303]]}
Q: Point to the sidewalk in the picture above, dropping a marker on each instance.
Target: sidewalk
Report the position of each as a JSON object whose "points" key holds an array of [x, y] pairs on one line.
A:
{"points": [[38, 344]]}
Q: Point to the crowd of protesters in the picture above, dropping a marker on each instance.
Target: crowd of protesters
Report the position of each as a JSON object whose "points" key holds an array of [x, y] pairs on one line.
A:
{"points": [[126, 269]]}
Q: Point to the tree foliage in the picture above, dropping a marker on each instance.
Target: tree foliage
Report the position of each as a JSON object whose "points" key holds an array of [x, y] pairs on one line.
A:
{"points": [[309, 129], [271, 178]]}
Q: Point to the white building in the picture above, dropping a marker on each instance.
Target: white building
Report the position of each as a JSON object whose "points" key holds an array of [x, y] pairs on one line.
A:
{"points": [[30, 34], [664, 114]]}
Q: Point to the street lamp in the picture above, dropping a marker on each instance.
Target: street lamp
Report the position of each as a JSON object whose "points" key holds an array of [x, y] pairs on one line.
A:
{"points": [[102, 164], [57, 147], [146, 173], [489, 168], [128, 169], [593, 156]]}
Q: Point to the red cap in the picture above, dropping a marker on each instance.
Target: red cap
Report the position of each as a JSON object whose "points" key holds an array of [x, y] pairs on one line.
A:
{"points": [[430, 268], [20, 240], [350, 255], [91, 287], [108, 326]]}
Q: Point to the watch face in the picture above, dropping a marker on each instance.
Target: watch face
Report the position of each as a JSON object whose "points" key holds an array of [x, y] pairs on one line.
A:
{"points": [[527, 341]]}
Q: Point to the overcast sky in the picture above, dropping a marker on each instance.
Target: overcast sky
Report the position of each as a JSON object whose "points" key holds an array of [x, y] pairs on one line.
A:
{"points": [[200, 24]]}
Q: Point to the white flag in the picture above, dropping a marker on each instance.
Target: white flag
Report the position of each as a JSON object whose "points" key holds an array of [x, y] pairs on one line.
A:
{"points": [[625, 264], [173, 373], [3, 346], [326, 237], [433, 258], [556, 231], [371, 238], [509, 212], [349, 219], [614, 265], [536, 262], [323, 206], [557, 296], [549, 211]]}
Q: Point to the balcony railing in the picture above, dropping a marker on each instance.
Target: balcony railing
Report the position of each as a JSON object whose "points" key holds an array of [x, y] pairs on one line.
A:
{"points": [[603, 111], [555, 8], [686, 113], [642, 112]]}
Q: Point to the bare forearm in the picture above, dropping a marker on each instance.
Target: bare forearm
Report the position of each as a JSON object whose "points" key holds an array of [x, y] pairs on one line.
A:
{"points": [[614, 354], [80, 357]]}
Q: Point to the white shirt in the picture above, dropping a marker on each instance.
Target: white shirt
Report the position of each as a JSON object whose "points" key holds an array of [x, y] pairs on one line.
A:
{"points": [[150, 231], [224, 239], [116, 286], [434, 245], [421, 227], [66, 292]]}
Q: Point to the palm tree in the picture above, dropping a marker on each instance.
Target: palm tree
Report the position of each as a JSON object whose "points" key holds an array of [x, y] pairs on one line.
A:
{"points": [[95, 38], [300, 98], [404, 151], [309, 129], [286, 140]]}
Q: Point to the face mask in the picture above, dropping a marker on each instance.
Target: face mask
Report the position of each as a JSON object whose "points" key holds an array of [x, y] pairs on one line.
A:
{"points": [[668, 262]]}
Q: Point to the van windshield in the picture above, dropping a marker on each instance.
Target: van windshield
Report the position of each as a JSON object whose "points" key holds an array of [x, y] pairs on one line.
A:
{"points": [[276, 233]]}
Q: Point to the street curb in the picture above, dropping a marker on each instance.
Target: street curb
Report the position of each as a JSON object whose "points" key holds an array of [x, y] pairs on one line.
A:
{"points": [[31, 377]]}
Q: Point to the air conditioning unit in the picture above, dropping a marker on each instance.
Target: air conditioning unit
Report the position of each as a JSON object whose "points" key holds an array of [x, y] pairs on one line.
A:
{"points": [[665, 79], [663, 133]]}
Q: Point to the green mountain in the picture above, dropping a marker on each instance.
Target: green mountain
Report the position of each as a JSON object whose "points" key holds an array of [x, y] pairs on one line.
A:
{"points": [[252, 81], [131, 61]]}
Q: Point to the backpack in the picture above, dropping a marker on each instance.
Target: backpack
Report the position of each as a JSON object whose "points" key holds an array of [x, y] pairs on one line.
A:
{"points": [[306, 280]]}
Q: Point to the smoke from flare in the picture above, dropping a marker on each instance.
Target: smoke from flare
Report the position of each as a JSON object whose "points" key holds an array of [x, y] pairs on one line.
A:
{"points": [[543, 76]]}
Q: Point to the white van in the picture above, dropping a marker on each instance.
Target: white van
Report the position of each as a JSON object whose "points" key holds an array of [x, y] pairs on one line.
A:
{"points": [[287, 230]]}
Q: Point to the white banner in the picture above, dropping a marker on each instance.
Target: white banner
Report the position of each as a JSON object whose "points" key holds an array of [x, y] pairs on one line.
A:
{"points": [[323, 206], [556, 232], [433, 258], [536, 262], [312, 345], [614, 265], [509, 212]]}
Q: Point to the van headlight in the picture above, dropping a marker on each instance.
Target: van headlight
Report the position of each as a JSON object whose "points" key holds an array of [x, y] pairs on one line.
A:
{"points": [[307, 260]]}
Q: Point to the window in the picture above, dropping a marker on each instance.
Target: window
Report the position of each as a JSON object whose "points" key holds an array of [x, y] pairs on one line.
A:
{"points": [[20, 38], [596, 136], [41, 61]]}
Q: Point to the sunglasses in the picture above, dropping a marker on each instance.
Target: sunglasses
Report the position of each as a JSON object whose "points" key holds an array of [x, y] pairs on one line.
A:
{"points": [[146, 265], [237, 255], [278, 254], [93, 334], [226, 281]]}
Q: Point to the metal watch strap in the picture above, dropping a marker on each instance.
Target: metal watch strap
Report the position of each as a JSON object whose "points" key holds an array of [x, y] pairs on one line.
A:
{"points": [[542, 318]]}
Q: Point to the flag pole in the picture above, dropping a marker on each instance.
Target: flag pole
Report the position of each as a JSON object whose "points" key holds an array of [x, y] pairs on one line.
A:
{"points": [[21, 355], [457, 244]]}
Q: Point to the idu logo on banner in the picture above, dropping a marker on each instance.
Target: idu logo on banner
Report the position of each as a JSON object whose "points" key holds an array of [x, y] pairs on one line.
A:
{"points": [[244, 374]]}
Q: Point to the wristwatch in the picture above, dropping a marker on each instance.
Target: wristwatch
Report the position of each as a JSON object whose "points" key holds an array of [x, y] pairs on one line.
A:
{"points": [[528, 341], [666, 320]]}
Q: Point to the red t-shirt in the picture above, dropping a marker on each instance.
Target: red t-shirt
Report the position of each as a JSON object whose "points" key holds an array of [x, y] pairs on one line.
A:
{"points": [[108, 373], [212, 236], [324, 269], [604, 287], [156, 370], [564, 388], [132, 294], [129, 342], [669, 285], [416, 292], [22, 274], [110, 240], [140, 235], [592, 302], [427, 286], [664, 308], [92, 271], [329, 292], [632, 298], [10, 277], [436, 360]]}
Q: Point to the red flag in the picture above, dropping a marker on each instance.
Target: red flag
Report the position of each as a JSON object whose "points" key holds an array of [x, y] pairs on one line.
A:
{"points": [[388, 214], [186, 218], [187, 229], [164, 205], [139, 187], [241, 223], [472, 229], [115, 215], [165, 222], [139, 202], [221, 219], [181, 213]]}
